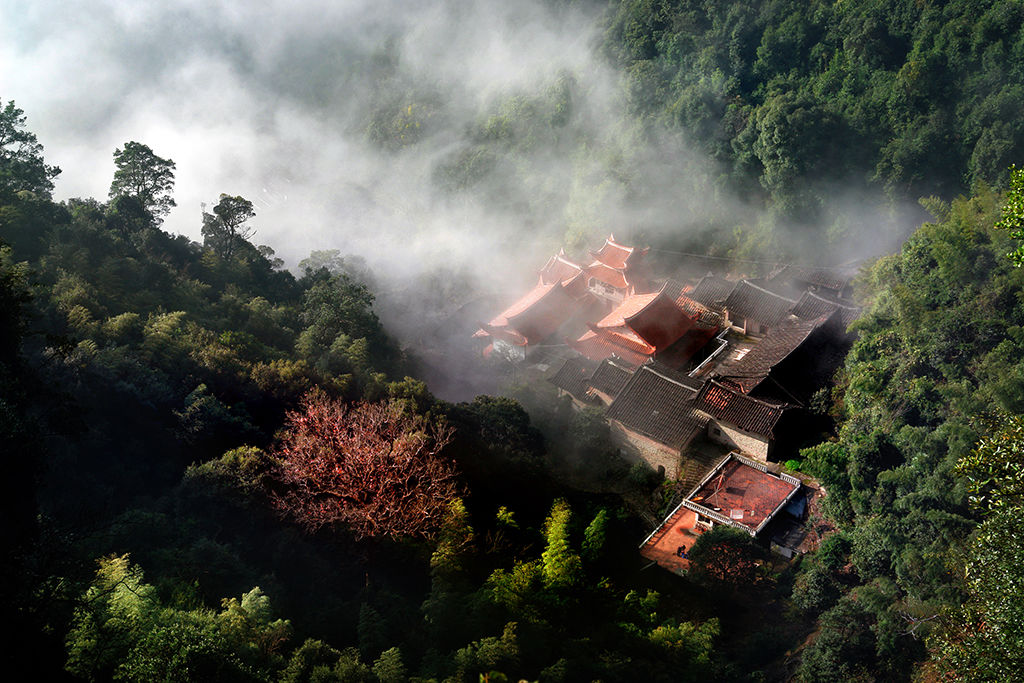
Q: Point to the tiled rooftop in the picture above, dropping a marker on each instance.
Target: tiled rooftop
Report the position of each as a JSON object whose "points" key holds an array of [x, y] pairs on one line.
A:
{"points": [[812, 305], [599, 347], [744, 494], [754, 302], [660, 323], [573, 376], [732, 407], [616, 255], [608, 275], [712, 291], [835, 279], [656, 406], [559, 269], [754, 366], [610, 378], [535, 316], [630, 306], [523, 304], [635, 330]]}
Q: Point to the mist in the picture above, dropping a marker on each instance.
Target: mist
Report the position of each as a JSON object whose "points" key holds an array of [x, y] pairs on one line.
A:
{"points": [[454, 145]]}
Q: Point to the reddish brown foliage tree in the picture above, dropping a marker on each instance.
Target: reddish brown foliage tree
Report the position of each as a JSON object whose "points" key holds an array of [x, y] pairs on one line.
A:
{"points": [[372, 467], [726, 558]]}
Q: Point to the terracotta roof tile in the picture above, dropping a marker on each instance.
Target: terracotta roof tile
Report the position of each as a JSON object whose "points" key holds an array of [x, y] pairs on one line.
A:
{"points": [[522, 304], [686, 347], [624, 336], [535, 316], [559, 269], [576, 286], [704, 316], [749, 414], [608, 275], [597, 347], [660, 322], [630, 306], [616, 255], [658, 407]]}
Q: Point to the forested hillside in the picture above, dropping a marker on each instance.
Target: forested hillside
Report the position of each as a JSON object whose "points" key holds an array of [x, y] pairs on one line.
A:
{"points": [[936, 368], [803, 101], [218, 468], [219, 471]]}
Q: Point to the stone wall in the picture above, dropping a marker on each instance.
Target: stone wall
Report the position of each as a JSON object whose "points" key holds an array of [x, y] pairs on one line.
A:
{"points": [[752, 444], [639, 448]]}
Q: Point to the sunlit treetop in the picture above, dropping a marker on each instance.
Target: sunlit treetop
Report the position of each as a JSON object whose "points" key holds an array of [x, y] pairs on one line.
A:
{"points": [[144, 176], [1013, 213]]}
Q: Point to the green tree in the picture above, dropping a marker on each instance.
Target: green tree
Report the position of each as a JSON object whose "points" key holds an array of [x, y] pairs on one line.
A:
{"points": [[226, 229], [594, 536], [145, 177], [21, 160], [726, 557], [342, 333], [1013, 213], [560, 565], [123, 631], [389, 667], [983, 639]]}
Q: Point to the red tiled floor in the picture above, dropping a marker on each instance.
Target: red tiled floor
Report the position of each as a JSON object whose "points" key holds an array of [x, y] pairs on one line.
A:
{"points": [[678, 531]]}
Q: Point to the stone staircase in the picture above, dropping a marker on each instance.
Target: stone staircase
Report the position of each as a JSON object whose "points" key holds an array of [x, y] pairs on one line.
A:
{"points": [[696, 463]]}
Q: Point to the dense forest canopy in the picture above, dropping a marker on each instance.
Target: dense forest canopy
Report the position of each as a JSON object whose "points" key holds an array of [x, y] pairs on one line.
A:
{"points": [[219, 468]]}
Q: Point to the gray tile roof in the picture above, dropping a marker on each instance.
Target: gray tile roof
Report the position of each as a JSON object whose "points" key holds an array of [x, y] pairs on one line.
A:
{"points": [[573, 376], [610, 377], [712, 291], [658, 407], [754, 302]]}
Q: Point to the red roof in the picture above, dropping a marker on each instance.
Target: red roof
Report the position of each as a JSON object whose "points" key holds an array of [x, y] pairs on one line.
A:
{"points": [[608, 275], [523, 304], [630, 306], [660, 322], [601, 346], [613, 263], [747, 496], [535, 316], [695, 339], [576, 286], [639, 327], [732, 407], [614, 254], [559, 269]]}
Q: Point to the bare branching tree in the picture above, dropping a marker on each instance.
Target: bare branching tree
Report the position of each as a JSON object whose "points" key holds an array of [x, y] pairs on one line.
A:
{"points": [[371, 467]]}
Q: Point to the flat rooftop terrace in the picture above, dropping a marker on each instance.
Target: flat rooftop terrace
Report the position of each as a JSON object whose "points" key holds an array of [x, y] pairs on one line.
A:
{"points": [[744, 494]]}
